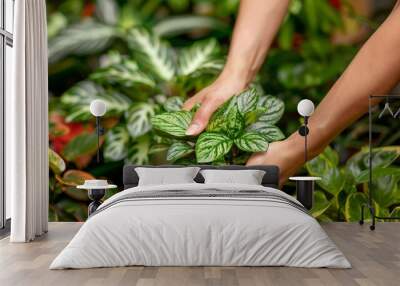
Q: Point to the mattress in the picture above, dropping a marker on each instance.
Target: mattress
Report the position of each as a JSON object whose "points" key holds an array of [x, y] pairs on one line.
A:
{"points": [[201, 225]]}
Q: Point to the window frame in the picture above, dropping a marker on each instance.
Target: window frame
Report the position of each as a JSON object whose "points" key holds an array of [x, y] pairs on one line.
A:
{"points": [[6, 39]]}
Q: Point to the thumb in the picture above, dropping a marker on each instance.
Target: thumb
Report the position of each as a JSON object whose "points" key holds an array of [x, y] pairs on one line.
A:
{"points": [[201, 118]]}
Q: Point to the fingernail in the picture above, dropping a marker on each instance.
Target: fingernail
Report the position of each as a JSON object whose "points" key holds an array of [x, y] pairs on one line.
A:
{"points": [[193, 129]]}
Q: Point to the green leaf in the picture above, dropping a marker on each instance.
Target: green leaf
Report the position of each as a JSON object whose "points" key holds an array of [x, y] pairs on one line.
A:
{"points": [[126, 74], [395, 213], [286, 33], [271, 132], [311, 15], [138, 152], [331, 155], [56, 163], [274, 109], [385, 188], [116, 144], [107, 11], [178, 25], [83, 144], [158, 148], [84, 38], [227, 119], [74, 178], [377, 173], [173, 123], [111, 58], [252, 116], [381, 157], [324, 218], [78, 98], [138, 118], [332, 179], [152, 53], [195, 57], [252, 142], [210, 146], [353, 207], [247, 101], [174, 103], [321, 204], [56, 22], [179, 150], [210, 68]]}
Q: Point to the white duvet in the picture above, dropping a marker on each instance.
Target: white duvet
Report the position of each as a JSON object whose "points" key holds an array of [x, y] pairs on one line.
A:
{"points": [[200, 231]]}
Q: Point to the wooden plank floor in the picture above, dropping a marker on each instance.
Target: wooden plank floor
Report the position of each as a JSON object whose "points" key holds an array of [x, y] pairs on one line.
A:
{"points": [[375, 257]]}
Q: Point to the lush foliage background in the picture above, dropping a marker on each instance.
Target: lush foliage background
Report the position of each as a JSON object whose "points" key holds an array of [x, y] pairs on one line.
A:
{"points": [[145, 57]]}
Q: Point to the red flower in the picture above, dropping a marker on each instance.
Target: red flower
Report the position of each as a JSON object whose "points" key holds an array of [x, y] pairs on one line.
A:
{"points": [[88, 10], [337, 4], [68, 131], [298, 40]]}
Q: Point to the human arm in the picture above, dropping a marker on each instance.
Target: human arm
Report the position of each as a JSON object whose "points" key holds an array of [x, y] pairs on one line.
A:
{"points": [[256, 26], [374, 70]]}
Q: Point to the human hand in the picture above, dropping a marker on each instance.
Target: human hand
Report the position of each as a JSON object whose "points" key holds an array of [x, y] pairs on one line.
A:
{"points": [[285, 154], [210, 99]]}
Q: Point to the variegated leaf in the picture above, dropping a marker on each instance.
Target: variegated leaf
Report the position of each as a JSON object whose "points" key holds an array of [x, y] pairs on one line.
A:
{"points": [[212, 67], [78, 98], [227, 119], [253, 115], [174, 123], [182, 24], [174, 103], [196, 56], [158, 148], [252, 142], [111, 58], [210, 146], [82, 145], [271, 132], [155, 55], [247, 100], [81, 39], [107, 11], [116, 144], [138, 152], [138, 118], [274, 109], [126, 74], [56, 163], [179, 150]]}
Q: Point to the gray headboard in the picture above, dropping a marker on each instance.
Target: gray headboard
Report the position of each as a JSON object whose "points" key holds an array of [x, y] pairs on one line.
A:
{"points": [[271, 177]]}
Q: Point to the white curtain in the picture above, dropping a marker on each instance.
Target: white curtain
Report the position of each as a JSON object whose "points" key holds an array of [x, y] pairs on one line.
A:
{"points": [[27, 124]]}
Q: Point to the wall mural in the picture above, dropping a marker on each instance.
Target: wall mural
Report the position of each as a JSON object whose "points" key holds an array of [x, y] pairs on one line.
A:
{"points": [[145, 58]]}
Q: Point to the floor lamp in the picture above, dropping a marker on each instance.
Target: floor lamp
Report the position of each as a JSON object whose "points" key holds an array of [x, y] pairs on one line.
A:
{"points": [[305, 184]]}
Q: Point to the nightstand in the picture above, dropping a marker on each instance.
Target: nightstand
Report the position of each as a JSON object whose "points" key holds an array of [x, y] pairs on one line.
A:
{"points": [[305, 190], [96, 191]]}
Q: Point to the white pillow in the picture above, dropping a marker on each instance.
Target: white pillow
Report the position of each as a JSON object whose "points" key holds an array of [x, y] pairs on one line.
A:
{"points": [[248, 177], [166, 176]]}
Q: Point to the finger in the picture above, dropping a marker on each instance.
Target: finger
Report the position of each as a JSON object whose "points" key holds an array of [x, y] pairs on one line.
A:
{"points": [[201, 118], [197, 98]]}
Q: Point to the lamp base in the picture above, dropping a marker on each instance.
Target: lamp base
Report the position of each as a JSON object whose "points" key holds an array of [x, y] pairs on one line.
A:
{"points": [[95, 195], [305, 193]]}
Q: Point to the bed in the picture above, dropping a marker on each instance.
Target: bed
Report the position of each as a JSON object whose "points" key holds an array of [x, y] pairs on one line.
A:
{"points": [[198, 224]]}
